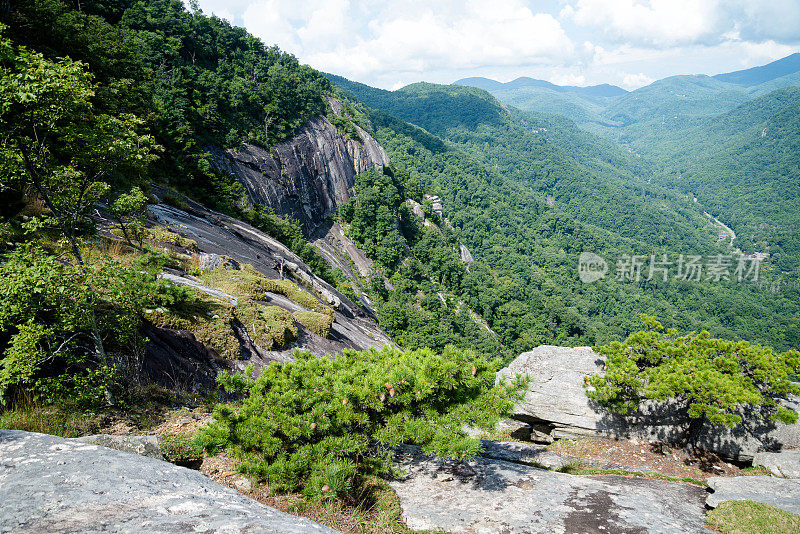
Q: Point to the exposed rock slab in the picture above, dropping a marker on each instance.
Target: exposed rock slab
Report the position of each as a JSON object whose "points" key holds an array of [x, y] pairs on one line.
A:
{"points": [[306, 176], [141, 445], [556, 402], [783, 493], [49, 484], [539, 456], [489, 496], [785, 463]]}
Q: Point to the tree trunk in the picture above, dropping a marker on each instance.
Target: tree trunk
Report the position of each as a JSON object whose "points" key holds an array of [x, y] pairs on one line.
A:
{"points": [[693, 432]]}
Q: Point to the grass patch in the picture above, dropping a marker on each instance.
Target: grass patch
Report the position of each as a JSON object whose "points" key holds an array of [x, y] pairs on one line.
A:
{"points": [[269, 326], [53, 420], [208, 320], [580, 469], [755, 470], [319, 323], [748, 517]]}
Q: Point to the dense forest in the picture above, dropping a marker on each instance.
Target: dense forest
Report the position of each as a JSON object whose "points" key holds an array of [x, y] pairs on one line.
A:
{"points": [[134, 93], [530, 247]]}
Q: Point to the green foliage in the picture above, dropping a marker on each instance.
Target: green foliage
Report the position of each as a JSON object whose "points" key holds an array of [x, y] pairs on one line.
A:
{"points": [[332, 421], [54, 144], [194, 79], [181, 449], [47, 309], [130, 211], [710, 380]]}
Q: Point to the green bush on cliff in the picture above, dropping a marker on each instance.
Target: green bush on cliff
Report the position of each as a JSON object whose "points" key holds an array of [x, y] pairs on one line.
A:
{"points": [[321, 425], [710, 380]]}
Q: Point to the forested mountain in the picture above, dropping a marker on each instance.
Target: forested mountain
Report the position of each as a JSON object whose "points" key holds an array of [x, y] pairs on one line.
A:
{"points": [[153, 96], [764, 73], [742, 165], [592, 179], [504, 217], [665, 104]]}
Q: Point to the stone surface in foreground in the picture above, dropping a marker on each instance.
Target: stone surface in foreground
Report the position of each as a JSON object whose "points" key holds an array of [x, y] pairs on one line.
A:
{"points": [[490, 496], [49, 484]]}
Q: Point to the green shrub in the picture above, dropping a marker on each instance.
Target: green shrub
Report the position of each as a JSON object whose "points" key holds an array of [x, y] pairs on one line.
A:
{"points": [[710, 380], [320, 425], [181, 449], [319, 323]]}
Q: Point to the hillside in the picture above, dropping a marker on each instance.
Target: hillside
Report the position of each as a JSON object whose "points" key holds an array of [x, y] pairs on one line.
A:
{"points": [[508, 224]]}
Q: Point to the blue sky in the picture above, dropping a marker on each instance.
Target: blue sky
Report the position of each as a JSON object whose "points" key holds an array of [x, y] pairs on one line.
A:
{"points": [[577, 42]]}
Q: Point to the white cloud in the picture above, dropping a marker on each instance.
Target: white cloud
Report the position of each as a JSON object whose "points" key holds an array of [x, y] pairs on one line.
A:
{"points": [[661, 23], [360, 37], [634, 81], [653, 22], [391, 44]]}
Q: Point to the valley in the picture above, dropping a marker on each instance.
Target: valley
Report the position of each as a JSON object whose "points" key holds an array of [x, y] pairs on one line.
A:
{"points": [[270, 298]]}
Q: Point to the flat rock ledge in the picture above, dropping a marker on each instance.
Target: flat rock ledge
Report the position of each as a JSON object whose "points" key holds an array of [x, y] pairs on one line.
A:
{"points": [[490, 496], [785, 463], [141, 445], [49, 484], [783, 493]]}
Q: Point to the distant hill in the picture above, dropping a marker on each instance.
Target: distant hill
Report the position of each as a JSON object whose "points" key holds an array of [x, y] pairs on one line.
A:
{"points": [[757, 75], [665, 105], [602, 90]]}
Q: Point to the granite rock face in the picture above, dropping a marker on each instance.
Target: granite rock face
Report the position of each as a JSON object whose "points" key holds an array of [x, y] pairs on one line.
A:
{"points": [[49, 484], [781, 493], [141, 445], [785, 463], [556, 405], [489, 496], [306, 176]]}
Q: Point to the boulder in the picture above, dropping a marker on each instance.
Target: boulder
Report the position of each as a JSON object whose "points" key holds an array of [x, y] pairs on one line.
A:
{"points": [[783, 464], [141, 445], [556, 405], [487, 496], [50, 484], [781, 493]]}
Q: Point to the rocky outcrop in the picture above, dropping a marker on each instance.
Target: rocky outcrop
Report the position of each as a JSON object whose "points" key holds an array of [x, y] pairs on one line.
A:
{"points": [[778, 492], [304, 177], [176, 359], [556, 406], [53, 485], [498, 496], [783, 464]]}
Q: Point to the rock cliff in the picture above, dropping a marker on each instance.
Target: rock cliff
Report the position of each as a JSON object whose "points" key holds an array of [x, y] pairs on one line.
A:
{"points": [[306, 176]]}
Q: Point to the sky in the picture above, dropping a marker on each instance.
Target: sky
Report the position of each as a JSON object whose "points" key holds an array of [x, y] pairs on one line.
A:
{"points": [[630, 43]]}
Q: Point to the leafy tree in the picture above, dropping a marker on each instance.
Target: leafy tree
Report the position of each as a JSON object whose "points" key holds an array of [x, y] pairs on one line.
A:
{"points": [[55, 147], [331, 421], [710, 380], [51, 311], [129, 209]]}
